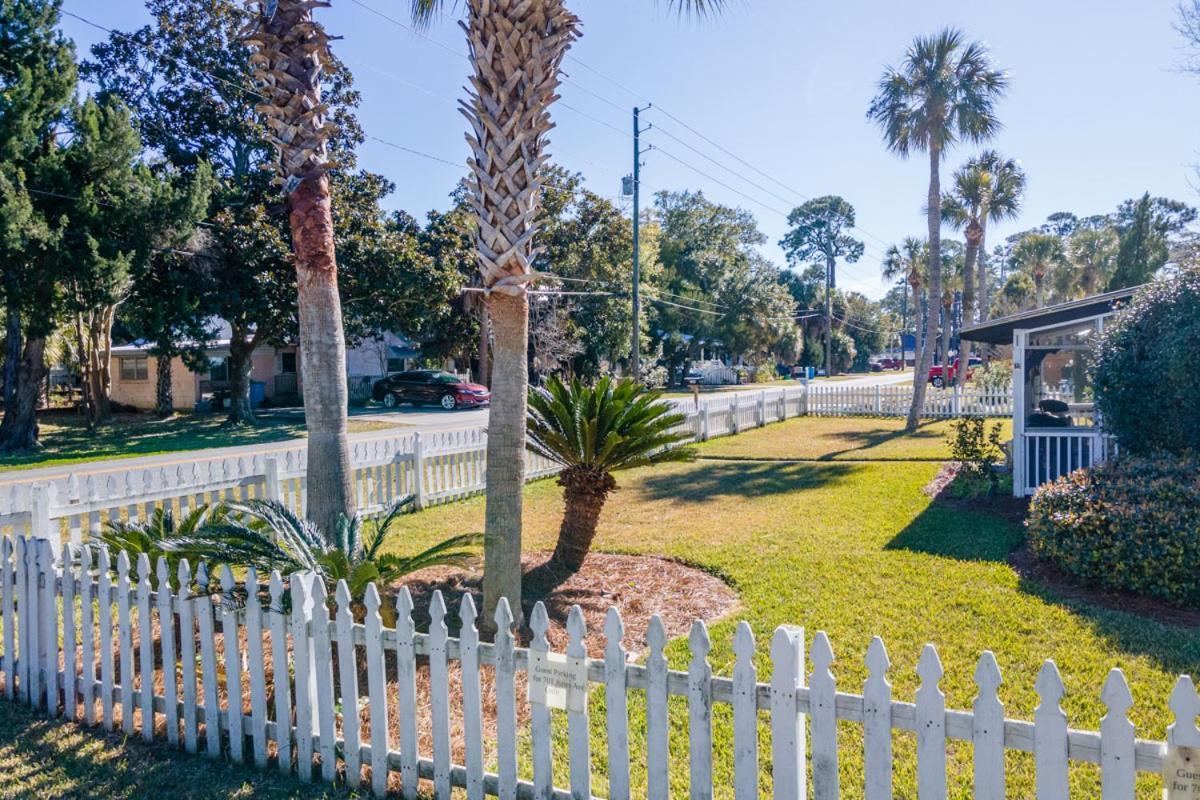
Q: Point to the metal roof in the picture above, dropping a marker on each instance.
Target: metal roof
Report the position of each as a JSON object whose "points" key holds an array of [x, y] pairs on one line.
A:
{"points": [[1000, 331]]}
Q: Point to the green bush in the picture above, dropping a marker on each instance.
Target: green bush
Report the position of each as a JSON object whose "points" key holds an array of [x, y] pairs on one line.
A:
{"points": [[1130, 524], [975, 445], [1147, 372]]}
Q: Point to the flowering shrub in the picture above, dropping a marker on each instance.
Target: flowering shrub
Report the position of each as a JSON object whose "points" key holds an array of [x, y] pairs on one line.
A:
{"points": [[1131, 524]]}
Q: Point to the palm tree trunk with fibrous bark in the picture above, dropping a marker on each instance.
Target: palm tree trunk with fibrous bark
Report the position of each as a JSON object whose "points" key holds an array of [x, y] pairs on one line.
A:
{"points": [[974, 234], [584, 495], [330, 493], [516, 50], [934, 218]]}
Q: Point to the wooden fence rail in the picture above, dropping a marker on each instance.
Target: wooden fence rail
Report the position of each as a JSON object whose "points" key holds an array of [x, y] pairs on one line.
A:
{"points": [[263, 671]]}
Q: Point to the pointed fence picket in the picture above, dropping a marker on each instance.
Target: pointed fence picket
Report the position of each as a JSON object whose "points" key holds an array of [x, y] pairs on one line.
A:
{"points": [[63, 619]]}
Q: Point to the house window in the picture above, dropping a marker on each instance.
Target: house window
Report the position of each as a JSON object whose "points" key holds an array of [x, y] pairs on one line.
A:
{"points": [[395, 365], [218, 369], [287, 363], [136, 368]]}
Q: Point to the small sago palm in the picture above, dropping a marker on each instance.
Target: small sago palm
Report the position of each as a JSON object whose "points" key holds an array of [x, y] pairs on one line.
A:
{"points": [[160, 536], [594, 431]]}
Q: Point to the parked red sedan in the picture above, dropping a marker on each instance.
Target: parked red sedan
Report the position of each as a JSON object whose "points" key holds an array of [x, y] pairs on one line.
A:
{"points": [[939, 380], [423, 387]]}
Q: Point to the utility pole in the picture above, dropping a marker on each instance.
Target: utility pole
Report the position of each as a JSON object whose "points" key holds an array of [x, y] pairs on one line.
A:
{"points": [[829, 267], [635, 356]]}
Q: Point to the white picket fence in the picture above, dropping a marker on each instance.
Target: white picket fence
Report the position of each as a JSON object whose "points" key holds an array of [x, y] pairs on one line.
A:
{"points": [[249, 671], [831, 400]]}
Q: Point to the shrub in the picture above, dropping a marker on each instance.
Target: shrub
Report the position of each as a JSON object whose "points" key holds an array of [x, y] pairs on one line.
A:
{"points": [[976, 446], [1147, 372], [1131, 524]]}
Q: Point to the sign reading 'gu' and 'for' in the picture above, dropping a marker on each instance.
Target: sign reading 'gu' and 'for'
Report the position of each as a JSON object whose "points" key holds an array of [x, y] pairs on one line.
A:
{"points": [[558, 681], [1181, 773]]}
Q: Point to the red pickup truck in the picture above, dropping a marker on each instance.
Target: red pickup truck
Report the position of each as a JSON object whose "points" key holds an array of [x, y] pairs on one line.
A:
{"points": [[939, 380]]}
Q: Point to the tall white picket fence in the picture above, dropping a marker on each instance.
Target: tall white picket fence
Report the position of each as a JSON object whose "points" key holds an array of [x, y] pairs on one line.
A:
{"points": [[114, 645]]}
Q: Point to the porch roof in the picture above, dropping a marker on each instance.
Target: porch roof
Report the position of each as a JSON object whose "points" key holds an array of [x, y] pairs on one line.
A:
{"points": [[1000, 331]]}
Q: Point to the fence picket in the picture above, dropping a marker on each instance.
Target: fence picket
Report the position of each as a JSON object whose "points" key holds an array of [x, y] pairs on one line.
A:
{"points": [[377, 692], [699, 695], [506, 704], [616, 707], [70, 681], [745, 715], [125, 639], [8, 587], [657, 731], [48, 620], [406, 680], [931, 728], [303, 675], [322, 664], [145, 648], [203, 613], [988, 730], [439, 696], [823, 720], [107, 666], [233, 665], [877, 723], [187, 655], [256, 663], [27, 625], [579, 752], [278, 623], [348, 684], [543, 775], [1050, 735], [1116, 739], [166, 634], [787, 725], [472, 702]]}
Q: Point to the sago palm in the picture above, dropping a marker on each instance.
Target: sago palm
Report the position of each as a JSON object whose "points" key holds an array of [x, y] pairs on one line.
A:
{"points": [[160, 536], [944, 91], [594, 431], [516, 49]]}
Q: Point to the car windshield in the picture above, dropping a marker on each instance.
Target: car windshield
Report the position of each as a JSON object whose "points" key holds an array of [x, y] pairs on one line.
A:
{"points": [[446, 377]]}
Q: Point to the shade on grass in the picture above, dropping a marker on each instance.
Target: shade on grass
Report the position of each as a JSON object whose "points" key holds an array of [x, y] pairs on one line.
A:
{"points": [[856, 549]]}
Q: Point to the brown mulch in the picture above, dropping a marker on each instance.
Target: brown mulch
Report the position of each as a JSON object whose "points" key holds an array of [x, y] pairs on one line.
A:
{"points": [[1063, 585], [637, 586]]}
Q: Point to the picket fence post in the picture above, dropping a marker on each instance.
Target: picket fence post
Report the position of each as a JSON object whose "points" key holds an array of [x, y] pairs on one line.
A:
{"points": [[272, 485], [418, 472], [39, 510], [704, 422], [788, 744], [762, 408]]}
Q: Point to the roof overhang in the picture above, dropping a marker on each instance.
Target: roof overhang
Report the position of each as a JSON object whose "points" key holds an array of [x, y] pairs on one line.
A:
{"points": [[1000, 331]]}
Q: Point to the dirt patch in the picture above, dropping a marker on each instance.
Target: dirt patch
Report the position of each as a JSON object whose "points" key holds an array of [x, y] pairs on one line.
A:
{"points": [[949, 487], [1030, 567], [637, 586]]}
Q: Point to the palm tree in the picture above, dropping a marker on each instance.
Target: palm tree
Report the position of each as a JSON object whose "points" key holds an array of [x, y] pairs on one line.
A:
{"points": [[289, 53], [516, 49], [593, 431], [1002, 202], [1038, 254], [944, 91], [1092, 253], [907, 261], [953, 259]]}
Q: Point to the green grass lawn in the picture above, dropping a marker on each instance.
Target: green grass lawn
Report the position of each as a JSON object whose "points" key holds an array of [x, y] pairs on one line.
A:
{"points": [[68, 441], [857, 549], [44, 758]]}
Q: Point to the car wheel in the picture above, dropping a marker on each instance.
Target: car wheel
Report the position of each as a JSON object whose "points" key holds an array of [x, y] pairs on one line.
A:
{"points": [[938, 383], [390, 400], [448, 402]]}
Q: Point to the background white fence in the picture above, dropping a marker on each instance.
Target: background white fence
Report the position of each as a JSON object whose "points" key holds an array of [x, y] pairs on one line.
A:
{"points": [[432, 467], [264, 673]]}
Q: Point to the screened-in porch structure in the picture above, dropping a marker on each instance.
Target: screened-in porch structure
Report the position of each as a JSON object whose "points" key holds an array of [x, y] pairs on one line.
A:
{"points": [[1055, 426]]}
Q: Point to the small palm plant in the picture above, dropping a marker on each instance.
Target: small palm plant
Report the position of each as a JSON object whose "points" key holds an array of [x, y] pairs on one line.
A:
{"points": [[160, 536], [593, 431]]}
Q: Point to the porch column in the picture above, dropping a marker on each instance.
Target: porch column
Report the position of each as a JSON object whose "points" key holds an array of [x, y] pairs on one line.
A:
{"points": [[1018, 395]]}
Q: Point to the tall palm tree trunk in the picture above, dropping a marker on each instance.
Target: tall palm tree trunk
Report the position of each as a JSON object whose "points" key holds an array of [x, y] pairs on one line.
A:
{"points": [[330, 492], [981, 274], [517, 48], [934, 217], [974, 233]]}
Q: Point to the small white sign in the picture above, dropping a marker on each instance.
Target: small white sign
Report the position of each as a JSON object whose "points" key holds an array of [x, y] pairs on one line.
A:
{"points": [[1181, 773], [558, 681]]}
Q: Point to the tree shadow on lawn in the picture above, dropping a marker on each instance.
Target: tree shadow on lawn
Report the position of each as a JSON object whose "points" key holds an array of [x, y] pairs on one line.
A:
{"points": [[720, 480], [985, 529], [876, 437]]}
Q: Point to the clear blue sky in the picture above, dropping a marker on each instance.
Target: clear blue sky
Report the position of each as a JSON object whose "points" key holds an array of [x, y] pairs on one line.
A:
{"points": [[1098, 110]]}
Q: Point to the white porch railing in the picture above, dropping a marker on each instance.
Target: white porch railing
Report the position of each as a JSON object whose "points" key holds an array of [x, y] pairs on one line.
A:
{"points": [[229, 672], [1049, 453]]}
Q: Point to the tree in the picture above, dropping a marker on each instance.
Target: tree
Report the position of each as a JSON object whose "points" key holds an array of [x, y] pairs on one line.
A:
{"points": [[1091, 254], [944, 91], [987, 187], [37, 81], [909, 260], [1146, 227], [594, 431], [819, 229], [1038, 255]]}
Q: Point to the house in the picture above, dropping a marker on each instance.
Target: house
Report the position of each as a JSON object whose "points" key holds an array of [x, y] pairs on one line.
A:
{"points": [[274, 370], [1055, 426]]}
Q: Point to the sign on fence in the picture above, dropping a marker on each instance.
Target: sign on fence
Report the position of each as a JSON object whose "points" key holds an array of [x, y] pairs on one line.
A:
{"points": [[558, 681]]}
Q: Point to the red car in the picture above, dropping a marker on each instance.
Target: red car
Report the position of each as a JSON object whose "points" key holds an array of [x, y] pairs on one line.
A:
{"points": [[430, 387], [890, 363], [939, 380]]}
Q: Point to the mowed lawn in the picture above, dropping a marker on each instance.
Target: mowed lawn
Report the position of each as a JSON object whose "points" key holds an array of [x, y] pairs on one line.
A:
{"points": [[68, 441], [855, 548]]}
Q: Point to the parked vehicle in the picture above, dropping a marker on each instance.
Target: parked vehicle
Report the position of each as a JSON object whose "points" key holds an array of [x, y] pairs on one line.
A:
{"points": [[940, 380], [889, 363], [430, 387]]}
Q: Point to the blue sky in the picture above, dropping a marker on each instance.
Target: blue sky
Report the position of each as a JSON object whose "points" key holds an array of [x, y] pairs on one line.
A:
{"points": [[1098, 110]]}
